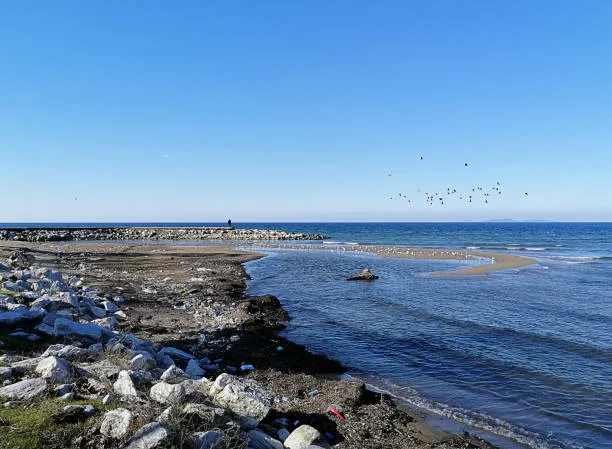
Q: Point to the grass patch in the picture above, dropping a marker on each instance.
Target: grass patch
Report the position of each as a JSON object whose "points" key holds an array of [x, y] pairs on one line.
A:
{"points": [[31, 426], [8, 292]]}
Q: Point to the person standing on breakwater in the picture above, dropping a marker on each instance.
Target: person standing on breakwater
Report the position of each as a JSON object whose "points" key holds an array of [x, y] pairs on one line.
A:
{"points": [[229, 222]]}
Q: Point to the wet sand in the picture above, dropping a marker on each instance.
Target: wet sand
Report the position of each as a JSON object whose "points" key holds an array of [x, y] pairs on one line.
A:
{"points": [[499, 261]]}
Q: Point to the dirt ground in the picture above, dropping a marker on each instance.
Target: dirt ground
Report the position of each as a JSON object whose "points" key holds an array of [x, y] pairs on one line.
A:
{"points": [[192, 297]]}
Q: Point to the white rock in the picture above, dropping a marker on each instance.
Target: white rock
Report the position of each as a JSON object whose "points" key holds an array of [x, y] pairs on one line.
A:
{"points": [[55, 369], [193, 370], [201, 386], [24, 365], [149, 436], [173, 375], [142, 361], [166, 416], [303, 437], [5, 372], [26, 389], [108, 399], [124, 385], [67, 298], [245, 398], [64, 326], [166, 393], [109, 322], [67, 397], [121, 315], [116, 423], [175, 353], [261, 440], [109, 306], [62, 389], [68, 352], [204, 440]]}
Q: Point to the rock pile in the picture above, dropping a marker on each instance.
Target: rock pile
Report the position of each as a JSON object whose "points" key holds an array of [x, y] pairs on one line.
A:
{"points": [[159, 396], [156, 234]]}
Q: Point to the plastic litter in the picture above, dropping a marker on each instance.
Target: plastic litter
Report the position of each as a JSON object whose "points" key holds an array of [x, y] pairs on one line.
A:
{"points": [[313, 393], [336, 410]]}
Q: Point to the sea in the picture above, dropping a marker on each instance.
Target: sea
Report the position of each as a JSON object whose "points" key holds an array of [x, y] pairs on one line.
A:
{"points": [[521, 357]]}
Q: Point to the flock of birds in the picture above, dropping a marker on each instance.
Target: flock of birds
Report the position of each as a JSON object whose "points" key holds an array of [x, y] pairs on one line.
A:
{"points": [[477, 193]]}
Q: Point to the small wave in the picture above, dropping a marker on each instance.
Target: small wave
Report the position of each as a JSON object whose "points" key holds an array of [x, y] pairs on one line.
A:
{"points": [[534, 248], [574, 260], [472, 247], [472, 418], [331, 242]]}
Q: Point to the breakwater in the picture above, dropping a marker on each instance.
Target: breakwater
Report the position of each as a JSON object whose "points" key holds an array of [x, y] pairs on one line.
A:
{"points": [[150, 233]]}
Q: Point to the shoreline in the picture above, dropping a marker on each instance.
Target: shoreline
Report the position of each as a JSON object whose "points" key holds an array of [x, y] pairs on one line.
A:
{"points": [[239, 329], [499, 261]]}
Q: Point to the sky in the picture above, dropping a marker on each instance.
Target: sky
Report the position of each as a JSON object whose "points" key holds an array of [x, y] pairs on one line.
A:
{"points": [[315, 110]]}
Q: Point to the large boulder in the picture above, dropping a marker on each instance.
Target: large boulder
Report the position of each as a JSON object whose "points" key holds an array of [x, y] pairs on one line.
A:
{"points": [[26, 389], [149, 436], [245, 398], [55, 369], [305, 436], [116, 423], [124, 385], [166, 393]]}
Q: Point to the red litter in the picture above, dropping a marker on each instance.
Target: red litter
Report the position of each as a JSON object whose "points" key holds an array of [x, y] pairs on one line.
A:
{"points": [[333, 409]]}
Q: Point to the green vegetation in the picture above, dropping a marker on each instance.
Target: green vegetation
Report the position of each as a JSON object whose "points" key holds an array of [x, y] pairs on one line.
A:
{"points": [[31, 425]]}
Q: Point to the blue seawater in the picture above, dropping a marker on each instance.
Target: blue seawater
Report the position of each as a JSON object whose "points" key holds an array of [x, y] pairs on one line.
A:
{"points": [[525, 353]]}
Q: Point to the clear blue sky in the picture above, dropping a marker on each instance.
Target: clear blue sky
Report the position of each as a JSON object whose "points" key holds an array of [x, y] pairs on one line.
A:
{"points": [[299, 110]]}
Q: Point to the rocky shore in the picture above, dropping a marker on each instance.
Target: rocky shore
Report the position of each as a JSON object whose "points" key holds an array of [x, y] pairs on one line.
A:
{"points": [[145, 346], [155, 234]]}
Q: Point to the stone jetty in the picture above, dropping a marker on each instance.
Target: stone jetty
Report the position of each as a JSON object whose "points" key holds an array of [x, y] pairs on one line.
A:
{"points": [[150, 234]]}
